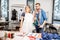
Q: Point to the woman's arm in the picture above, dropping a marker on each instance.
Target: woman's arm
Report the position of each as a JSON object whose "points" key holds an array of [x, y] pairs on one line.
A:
{"points": [[34, 16], [21, 22]]}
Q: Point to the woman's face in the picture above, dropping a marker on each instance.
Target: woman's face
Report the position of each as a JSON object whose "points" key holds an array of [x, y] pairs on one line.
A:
{"points": [[27, 9]]}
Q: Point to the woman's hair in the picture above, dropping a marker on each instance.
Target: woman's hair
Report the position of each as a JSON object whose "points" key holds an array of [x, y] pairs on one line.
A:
{"points": [[27, 6]]}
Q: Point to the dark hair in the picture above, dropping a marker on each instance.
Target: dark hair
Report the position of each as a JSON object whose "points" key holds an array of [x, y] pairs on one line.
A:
{"points": [[37, 4]]}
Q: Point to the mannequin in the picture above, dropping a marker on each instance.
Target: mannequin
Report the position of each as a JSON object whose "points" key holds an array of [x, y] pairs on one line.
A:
{"points": [[14, 14]]}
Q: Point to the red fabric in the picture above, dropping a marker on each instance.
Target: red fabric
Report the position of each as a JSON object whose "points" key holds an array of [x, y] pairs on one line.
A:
{"points": [[32, 37], [9, 35]]}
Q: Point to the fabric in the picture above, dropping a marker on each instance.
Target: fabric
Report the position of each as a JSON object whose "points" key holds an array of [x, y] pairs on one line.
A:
{"points": [[28, 23], [39, 30], [43, 16], [23, 14], [50, 36], [35, 23]]}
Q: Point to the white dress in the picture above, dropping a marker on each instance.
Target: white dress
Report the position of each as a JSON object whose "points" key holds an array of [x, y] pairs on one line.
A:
{"points": [[28, 23]]}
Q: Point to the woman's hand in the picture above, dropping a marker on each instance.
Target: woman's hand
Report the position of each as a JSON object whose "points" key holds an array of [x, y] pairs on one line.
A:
{"points": [[41, 26], [20, 30]]}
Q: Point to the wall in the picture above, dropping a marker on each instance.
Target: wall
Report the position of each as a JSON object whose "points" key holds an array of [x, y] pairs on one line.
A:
{"points": [[11, 2], [47, 6]]}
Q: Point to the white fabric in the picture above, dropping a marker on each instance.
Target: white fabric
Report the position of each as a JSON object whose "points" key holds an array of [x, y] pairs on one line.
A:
{"points": [[28, 23], [21, 38]]}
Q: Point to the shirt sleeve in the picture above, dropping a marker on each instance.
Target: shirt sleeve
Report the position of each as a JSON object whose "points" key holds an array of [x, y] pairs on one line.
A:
{"points": [[23, 14], [44, 15]]}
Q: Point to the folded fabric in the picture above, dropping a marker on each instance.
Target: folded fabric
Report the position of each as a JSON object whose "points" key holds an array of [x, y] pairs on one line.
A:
{"points": [[50, 36], [35, 23]]}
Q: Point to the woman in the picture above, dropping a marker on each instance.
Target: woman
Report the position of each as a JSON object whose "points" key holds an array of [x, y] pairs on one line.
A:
{"points": [[27, 24]]}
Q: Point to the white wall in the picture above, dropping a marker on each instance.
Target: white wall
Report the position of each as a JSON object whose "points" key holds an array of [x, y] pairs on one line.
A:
{"points": [[47, 6]]}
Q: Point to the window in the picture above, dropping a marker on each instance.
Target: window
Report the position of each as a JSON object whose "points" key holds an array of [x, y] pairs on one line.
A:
{"points": [[31, 4], [0, 8], [56, 15], [5, 8]]}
